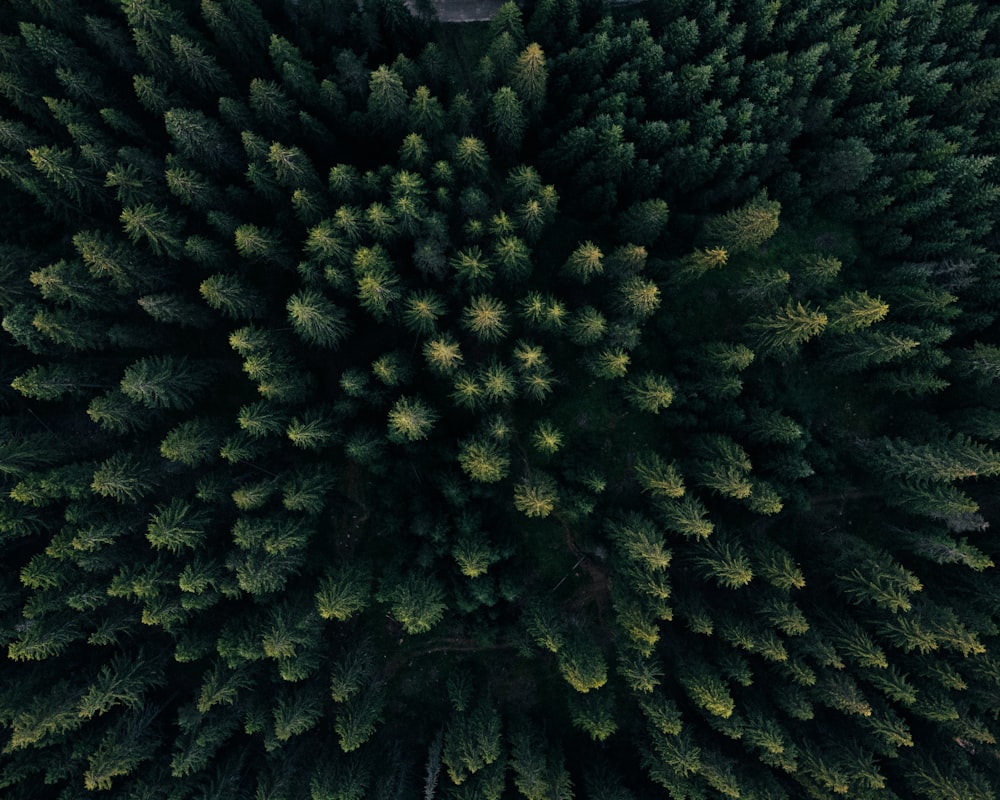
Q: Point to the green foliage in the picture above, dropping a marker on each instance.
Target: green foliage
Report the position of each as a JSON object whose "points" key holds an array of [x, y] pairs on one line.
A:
{"points": [[788, 328], [443, 354], [546, 438], [650, 392], [486, 318], [506, 118], [177, 526], [410, 420], [342, 594], [192, 443], [417, 603], [536, 496], [123, 477], [316, 319], [708, 691], [724, 561], [594, 714], [658, 477], [483, 460], [745, 228], [164, 382], [652, 350], [582, 664], [471, 742]]}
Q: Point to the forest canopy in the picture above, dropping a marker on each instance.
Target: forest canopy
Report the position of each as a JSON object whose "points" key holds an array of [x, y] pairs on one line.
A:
{"points": [[600, 401]]}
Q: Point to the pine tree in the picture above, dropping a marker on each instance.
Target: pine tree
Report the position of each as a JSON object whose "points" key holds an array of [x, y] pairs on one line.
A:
{"points": [[377, 289], [174, 308], [443, 354], [259, 244], [386, 99], [313, 430], [506, 118], [587, 326], [66, 282], [610, 364], [200, 139], [529, 76], [197, 65], [639, 297], [165, 382], [658, 477], [63, 170], [745, 228], [471, 267], [357, 720], [381, 222], [123, 477], [789, 328], [422, 310], [417, 603], [474, 555], [426, 115], [115, 412], [483, 460], [410, 420], [644, 223], [854, 311], [472, 742], [496, 382], [485, 317], [941, 461], [127, 743], [594, 714], [177, 526], [471, 156], [55, 381], [650, 392], [316, 319], [725, 561], [232, 295], [192, 443], [707, 690], [585, 262]]}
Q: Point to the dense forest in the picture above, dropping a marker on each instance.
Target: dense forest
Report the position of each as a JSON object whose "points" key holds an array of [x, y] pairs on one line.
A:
{"points": [[598, 402]]}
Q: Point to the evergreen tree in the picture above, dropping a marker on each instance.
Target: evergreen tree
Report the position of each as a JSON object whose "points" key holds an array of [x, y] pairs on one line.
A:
{"points": [[745, 228], [506, 118], [485, 317], [231, 295], [165, 382], [790, 327], [410, 420], [417, 603], [316, 319], [529, 76], [483, 460], [123, 477]]}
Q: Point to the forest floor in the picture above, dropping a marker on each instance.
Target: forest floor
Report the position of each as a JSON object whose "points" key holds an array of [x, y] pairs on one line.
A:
{"points": [[478, 10], [463, 10]]}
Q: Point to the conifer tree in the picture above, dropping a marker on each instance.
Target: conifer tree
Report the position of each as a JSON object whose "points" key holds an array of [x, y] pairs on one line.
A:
{"points": [[164, 382], [123, 477], [506, 118], [536, 496], [316, 319], [486, 318], [417, 603], [790, 327], [483, 460], [747, 227], [410, 420]]}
